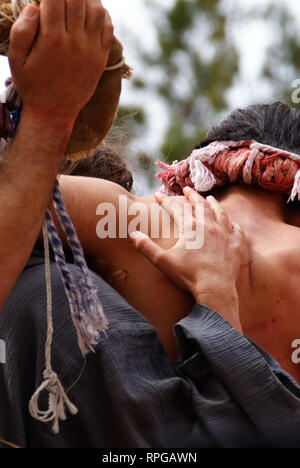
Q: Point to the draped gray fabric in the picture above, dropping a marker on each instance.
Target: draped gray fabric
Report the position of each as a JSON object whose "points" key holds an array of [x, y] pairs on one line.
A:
{"points": [[224, 392]]}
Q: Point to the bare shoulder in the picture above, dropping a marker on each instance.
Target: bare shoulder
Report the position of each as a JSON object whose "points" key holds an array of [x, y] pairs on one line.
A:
{"points": [[91, 190], [87, 199]]}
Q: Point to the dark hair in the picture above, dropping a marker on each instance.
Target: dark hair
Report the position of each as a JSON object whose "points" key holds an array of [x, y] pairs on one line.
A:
{"points": [[275, 124], [104, 164]]}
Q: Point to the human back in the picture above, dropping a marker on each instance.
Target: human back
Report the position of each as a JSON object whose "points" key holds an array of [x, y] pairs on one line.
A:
{"points": [[268, 284], [268, 281]]}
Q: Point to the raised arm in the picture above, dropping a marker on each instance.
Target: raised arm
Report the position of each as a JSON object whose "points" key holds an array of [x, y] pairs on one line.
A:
{"points": [[57, 55]]}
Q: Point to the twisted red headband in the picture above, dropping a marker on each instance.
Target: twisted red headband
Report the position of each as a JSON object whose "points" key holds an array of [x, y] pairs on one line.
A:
{"points": [[226, 162]]}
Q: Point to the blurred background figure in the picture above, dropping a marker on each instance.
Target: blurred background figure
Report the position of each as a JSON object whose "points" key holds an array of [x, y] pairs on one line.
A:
{"points": [[106, 164], [195, 61]]}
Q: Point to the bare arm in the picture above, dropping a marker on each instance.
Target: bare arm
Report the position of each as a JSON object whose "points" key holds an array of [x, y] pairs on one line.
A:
{"points": [[27, 177], [59, 37], [142, 284], [138, 275]]}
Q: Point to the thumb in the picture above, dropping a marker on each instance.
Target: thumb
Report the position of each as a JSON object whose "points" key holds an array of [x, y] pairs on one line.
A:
{"points": [[148, 248], [22, 35]]}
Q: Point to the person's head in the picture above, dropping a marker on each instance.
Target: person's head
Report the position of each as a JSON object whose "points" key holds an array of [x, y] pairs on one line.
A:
{"points": [[256, 145], [276, 125], [104, 164]]}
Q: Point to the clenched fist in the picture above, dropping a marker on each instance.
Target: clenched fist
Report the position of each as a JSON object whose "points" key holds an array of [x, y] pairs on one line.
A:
{"points": [[57, 54]]}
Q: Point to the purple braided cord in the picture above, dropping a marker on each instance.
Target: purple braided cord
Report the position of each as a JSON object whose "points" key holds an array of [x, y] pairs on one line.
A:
{"points": [[86, 309], [83, 273]]}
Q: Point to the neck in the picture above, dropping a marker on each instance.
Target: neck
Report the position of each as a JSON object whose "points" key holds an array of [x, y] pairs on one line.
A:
{"points": [[268, 302], [254, 208]]}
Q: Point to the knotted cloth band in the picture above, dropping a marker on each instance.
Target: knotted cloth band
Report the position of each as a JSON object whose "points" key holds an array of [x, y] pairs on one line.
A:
{"points": [[227, 162]]}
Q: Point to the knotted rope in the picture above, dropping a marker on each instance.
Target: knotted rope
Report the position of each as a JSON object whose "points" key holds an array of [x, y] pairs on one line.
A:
{"points": [[222, 163], [57, 396]]}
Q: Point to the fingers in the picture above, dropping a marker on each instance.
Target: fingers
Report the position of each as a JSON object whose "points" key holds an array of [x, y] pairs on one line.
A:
{"points": [[147, 247], [219, 213], [236, 228], [107, 33], [186, 212], [174, 207], [192, 195], [159, 197], [239, 242], [239, 233], [75, 16], [53, 17], [23, 34], [95, 18], [213, 209], [167, 203], [194, 198]]}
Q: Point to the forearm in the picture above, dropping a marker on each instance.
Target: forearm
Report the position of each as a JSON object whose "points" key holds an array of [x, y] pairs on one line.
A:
{"points": [[224, 300], [27, 176], [246, 379]]}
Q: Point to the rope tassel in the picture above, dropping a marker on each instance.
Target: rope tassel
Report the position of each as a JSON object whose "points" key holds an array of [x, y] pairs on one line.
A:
{"points": [[56, 403], [92, 319], [86, 309]]}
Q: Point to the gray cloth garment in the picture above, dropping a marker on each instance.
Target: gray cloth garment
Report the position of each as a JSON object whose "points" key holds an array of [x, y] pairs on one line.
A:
{"points": [[224, 391]]}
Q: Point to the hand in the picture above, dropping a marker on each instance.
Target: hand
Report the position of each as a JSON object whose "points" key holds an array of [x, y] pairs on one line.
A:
{"points": [[57, 55], [209, 273]]}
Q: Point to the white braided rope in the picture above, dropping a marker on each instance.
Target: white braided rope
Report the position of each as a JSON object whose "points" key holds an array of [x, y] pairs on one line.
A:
{"points": [[16, 10], [4, 16], [117, 66], [16, 7], [57, 399]]}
